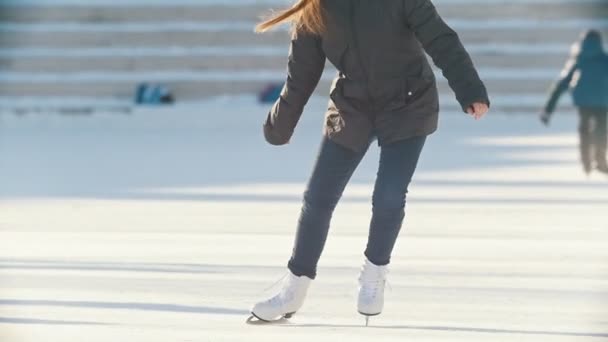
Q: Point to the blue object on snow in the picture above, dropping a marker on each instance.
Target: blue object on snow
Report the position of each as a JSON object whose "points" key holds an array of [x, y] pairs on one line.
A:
{"points": [[153, 94], [270, 93]]}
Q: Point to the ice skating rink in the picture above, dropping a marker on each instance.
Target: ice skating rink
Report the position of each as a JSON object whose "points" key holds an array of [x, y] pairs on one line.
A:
{"points": [[166, 224]]}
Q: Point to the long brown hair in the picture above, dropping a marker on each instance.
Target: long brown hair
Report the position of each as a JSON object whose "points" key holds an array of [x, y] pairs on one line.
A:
{"points": [[305, 16]]}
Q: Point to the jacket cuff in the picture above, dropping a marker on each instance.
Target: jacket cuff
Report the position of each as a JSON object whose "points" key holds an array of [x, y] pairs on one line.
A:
{"points": [[271, 135], [476, 95]]}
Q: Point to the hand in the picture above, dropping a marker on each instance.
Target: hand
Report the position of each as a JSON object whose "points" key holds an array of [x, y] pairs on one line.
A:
{"points": [[478, 110], [545, 118]]}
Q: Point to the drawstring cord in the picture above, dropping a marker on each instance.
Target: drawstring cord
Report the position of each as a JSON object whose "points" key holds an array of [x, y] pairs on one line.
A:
{"points": [[274, 284]]}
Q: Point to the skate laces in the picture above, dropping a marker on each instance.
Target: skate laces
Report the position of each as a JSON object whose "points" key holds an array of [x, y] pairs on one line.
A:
{"points": [[282, 279], [275, 298], [287, 285], [372, 279]]}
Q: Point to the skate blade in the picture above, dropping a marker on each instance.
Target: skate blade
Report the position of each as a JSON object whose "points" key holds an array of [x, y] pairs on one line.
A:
{"points": [[367, 316], [255, 320]]}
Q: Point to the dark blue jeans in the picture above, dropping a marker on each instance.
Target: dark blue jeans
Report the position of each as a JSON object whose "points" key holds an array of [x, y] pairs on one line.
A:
{"points": [[334, 166]]}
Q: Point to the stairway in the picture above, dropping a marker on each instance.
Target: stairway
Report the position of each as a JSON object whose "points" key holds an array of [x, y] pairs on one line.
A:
{"points": [[91, 54]]}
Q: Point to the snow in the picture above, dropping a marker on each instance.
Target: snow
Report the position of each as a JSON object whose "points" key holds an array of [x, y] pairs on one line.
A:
{"points": [[167, 223]]}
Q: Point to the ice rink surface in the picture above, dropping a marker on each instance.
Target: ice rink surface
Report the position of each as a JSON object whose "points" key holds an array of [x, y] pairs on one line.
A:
{"points": [[167, 224]]}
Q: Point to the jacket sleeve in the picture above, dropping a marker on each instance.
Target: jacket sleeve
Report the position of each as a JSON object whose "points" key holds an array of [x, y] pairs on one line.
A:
{"points": [[445, 48], [561, 85], [304, 69]]}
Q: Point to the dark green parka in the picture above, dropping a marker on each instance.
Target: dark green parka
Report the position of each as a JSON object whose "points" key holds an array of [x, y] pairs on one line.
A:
{"points": [[385, 85]]}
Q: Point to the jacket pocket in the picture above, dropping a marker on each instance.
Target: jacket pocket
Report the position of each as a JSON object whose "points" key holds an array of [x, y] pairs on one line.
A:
{"points": [[354, 90], [348, 95], [348, 89]]}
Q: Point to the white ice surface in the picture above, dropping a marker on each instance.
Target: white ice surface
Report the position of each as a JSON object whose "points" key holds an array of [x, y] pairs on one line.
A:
{"points": [[166, 224]]}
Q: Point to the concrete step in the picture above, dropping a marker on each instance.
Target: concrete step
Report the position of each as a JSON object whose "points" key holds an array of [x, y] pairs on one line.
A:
{"points": [[93, 105], [121, 14], [255, 50], [234, 63], [142, 41], [138, 39], [194, 89], [229, 11], [490, 74], [237, 38]]}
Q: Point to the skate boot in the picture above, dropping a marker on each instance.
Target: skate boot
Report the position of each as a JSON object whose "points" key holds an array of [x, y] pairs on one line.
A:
{"points": [[286, 302], [371, 290]]}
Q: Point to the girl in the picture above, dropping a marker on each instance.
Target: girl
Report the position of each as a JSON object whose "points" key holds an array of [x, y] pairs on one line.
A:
{"points": [[586, 73], [385, 90]]}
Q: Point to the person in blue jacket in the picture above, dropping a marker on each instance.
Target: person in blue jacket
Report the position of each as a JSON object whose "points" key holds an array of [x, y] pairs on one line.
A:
{"points": [[586, 75]]}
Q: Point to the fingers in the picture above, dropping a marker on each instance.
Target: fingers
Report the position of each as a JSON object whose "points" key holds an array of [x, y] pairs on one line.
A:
{"points": [[545, 121], [478, 110], [544, 118], [481, 108]]}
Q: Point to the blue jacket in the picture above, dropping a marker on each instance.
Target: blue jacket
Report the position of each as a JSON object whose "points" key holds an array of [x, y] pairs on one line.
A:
{"points": [[585, 74]]}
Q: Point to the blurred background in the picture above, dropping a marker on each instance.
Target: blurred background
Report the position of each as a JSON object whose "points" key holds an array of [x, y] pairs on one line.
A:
{"points": [[93, 54], [163, 220]]}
